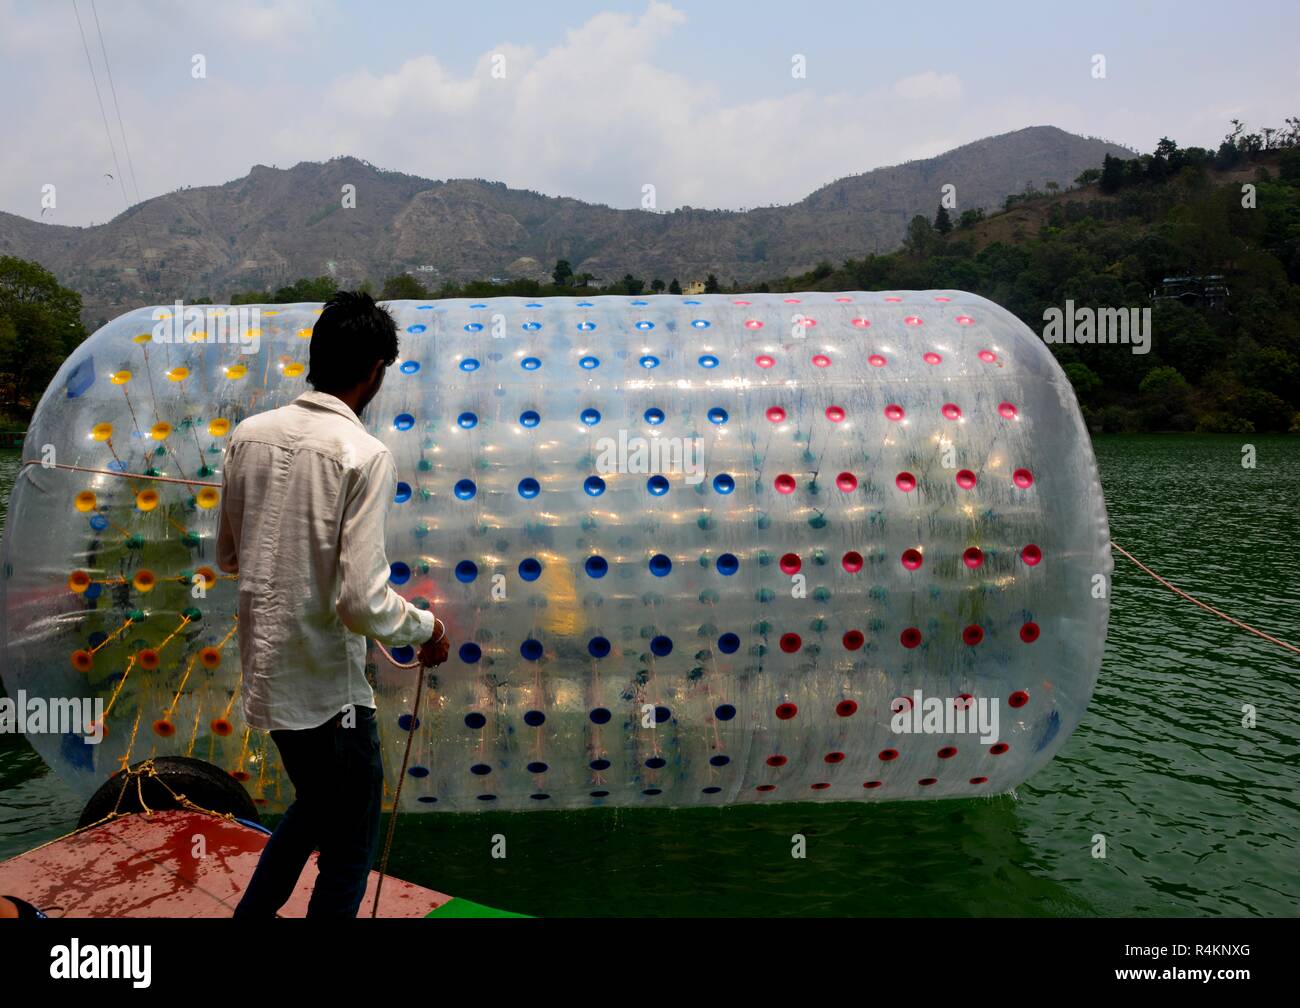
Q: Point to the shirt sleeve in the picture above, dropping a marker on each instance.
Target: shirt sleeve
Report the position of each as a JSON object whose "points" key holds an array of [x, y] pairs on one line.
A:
{"points": [[229, 524], [367, 605]]}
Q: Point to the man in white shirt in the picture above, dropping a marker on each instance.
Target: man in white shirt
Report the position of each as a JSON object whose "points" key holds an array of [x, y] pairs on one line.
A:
{"points": [[306, 490]]}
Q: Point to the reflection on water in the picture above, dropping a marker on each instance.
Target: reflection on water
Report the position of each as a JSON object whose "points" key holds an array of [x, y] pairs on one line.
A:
{"points": [[1200, 815]]}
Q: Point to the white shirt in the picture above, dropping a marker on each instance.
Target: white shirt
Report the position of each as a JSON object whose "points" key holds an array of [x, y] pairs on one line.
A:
{"points": [[306, 490]]}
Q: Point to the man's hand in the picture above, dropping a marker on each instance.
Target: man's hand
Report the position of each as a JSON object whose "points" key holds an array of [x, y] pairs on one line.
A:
{"points": [[434, 651]]}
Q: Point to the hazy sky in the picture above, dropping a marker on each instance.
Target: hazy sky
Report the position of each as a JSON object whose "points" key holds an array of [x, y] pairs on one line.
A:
{"points": [[599, 99]]}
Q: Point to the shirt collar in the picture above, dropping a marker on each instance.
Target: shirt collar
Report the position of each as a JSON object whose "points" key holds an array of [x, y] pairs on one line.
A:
{"points": [[332, 403]]}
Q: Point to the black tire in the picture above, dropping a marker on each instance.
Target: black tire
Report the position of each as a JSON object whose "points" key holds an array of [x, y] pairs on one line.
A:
{"points": [[205, 785]]}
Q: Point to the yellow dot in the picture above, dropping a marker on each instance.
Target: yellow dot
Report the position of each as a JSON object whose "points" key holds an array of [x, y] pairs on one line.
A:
{"points": [[143, 337], [178, 374], [160, 431], [102, 431], [293, 370], [253, 334], [219, 427], [270, 313], [143, 581], [236, 371], [207, 498], [85, 501], [121, 378], [319, 311], [304, 334], [146, 500]]}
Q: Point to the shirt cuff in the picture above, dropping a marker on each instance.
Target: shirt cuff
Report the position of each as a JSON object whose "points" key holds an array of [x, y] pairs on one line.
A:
{"points": [[426, 624]]}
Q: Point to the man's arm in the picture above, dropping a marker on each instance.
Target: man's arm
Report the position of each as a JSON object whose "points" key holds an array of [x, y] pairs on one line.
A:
{"points": [[229, 524], [367, 605]]}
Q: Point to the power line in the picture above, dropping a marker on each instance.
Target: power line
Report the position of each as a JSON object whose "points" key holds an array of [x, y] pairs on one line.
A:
{"points": [[126, 148]]}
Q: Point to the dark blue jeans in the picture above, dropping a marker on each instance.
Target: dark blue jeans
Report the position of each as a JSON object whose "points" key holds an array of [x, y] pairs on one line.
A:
{"points": [[338, 782]]}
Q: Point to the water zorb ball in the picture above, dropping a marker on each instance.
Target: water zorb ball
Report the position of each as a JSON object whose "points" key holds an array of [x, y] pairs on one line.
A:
{"points": [[691, 551]]}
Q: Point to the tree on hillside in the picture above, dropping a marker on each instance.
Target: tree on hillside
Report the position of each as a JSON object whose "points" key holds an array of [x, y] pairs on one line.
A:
{"points": [[942, 222], [674, 287], [711, 285], [40, 324], [631, 285], [563, 273], [657, 285], [403, 287], [1112, 174], [920, 240]]}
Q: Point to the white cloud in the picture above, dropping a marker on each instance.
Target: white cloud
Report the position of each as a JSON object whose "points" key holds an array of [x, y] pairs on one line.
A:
{"points": [[929, 86]]}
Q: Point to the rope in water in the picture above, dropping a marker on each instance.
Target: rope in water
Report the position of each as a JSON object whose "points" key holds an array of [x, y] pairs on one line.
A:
{"points": [[1208, 608]]}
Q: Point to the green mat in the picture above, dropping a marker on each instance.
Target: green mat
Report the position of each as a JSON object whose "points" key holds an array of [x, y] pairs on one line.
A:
{"points": [[466, 908]]}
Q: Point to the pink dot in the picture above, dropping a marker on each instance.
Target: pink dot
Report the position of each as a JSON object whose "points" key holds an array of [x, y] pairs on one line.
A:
{"points": [[947, 752], [988, 356], [834, 414], [932, 358], [952, 411], [901, 704], [1023, 478], [742, 302], [941, 297], [973, 557], [1007, 410], [912, 559], [853, 640], [965, 479], [963, 701], [1031, 555], [964, 320], [821, 360], [764, 361], [912, 320], [753, 324], [852, 561], [847, 482], [776, 414], [844, 300], [875, 360], [807, 323], [893, 412], [862, 323], [972, 635], [893, 300], [1029, 632], [910, 638], [790, 563], [792, 300], [790, 643], [785, 483], [905, 481]]}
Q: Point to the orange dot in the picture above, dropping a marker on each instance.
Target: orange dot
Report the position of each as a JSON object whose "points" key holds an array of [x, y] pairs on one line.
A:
{"points": [[101, 431], [304, 334], [220, 726], [236, 371], [120, 377], [148, 659], [146, 500], [241, 775], [207, 498], [210, 657], [164, 728], [159, 431], [208, 575], [78, 581], [86, 501], [144, 581], [219, 427], [178, 374], [82, 661], [293, 370]]}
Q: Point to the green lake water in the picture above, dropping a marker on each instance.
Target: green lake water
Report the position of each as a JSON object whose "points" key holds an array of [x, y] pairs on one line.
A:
{"points": [[1201, 815]]}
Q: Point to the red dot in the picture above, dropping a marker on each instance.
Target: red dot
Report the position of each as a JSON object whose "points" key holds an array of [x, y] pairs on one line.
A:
{"points": [[973, 557], [999, 748], [861, 323], [847, 482], [1007, 410], [777, 761], [947, 752], [766, 787], [853, 640], [951, 411], [964, 320], [988, 356], [753, 324], [790, 563], [912, 559], [834, 757], [846, 708], [963, 701], [910, 638], [965, 479], [871, 784], [821, 360], [875, 360], [1018, 699], [979, 780], [932, 358], [1031, 555], [786, 711], [901, 704], [888, 754], [852, 561], [973, 634], [905, 481], [834, 414], [790, 643], [785, 483], [893, 412], [764, 361], [776, 414], [1023, 478], [912, 320], [927, 781], [820, 787], [1029, 632]]}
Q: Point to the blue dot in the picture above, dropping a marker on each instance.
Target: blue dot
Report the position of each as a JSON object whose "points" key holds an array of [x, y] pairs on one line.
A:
{"points": [[728, 643], [418, 771], [599, 764], [98, 522], [586, 326], [719, 760], [530, 363], [656, 763], [724, 712], [467, 420], [428, 799], [475, 720], [530, 418], [651, 792], [529, 488], [640, 304], [598, 647], [594, 485], [409, 367], [417, 328], [530, 569], [723, 483], [94, 591], [590, 417], [534, 719], [708, 361], [534, 304], [117, 465], [728, 564], [403, 421], [662, 714], [599, 715], [403, 654], [586, 304], [693, 302], [403, 492], [711, 789], [480, 769], [537, 766], [660, 565], [478, 306], [486, 797], [399, 573], [406, 722], [599, 794], [469, 364], [662, 646], [699, 323], [649, 361], [657, 485], [96, 639], [531, 649], [474, 327], [424, 307], [589, 362], [470, 653], [717, 415], [466, 571], [531, 326], [597, 566], [654, 416], [643, 325], [465, 489]]}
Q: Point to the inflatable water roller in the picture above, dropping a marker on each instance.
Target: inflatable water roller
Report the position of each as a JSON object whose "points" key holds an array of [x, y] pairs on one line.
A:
{"points": [[691, 550]]}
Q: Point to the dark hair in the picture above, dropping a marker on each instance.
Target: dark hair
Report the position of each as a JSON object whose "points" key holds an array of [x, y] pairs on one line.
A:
{"points": [[351, 334]]}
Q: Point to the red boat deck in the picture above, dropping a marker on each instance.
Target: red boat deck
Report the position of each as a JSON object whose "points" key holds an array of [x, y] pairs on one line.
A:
{"points": [[145, 866]]}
